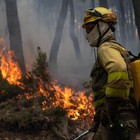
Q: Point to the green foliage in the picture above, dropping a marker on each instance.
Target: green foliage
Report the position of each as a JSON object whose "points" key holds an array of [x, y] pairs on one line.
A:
{"points": [[40, 67], [38, 77]]}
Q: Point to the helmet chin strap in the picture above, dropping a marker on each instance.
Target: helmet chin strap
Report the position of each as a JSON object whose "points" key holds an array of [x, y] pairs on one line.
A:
{"points": [[101, 36]]}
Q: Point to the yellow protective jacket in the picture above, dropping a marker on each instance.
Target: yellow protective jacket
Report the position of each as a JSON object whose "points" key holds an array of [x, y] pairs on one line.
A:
{"points": [[111, 76], [115, 60]]}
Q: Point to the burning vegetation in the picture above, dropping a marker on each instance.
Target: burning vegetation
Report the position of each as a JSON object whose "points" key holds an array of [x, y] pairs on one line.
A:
{"points": [[35, 103]]}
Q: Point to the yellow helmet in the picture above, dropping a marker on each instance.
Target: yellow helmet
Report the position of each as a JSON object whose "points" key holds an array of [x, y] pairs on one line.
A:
{"points": [[99, 13]]}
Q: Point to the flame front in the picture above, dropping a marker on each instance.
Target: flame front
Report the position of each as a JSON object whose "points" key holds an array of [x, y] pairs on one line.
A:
{"points": [[76, 103]]}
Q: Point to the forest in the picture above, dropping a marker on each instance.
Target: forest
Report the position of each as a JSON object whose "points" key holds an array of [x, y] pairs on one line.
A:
{"points": [[45, 64]]}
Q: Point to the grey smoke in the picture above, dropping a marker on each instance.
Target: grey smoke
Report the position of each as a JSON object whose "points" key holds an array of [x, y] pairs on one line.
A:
{"points": [[38, 19]]}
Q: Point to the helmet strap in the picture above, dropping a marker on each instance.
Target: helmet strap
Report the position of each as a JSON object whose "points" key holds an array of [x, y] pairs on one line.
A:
{"points": [[111, 27], [101, 36]]}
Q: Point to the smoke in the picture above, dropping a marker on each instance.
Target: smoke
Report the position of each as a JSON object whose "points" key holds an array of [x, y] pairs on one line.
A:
{"points": [[38, 20], [3, 23]]}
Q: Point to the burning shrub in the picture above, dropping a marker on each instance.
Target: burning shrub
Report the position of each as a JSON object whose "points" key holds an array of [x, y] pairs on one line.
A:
{"points": [[57, 107]]}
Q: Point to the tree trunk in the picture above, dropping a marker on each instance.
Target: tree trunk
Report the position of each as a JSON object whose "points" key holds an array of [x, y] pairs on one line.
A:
{"points": [[136, 5], [72, 32], [103, 3], [122, 23], [15, 32], [58, 33]]}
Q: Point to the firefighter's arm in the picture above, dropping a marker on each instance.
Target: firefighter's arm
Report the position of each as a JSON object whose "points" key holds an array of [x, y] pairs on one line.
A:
{"points": [[118, 84]]}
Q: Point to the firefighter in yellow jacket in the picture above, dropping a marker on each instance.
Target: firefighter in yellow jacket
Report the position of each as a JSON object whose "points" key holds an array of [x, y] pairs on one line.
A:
{"points": [[112, 83]]}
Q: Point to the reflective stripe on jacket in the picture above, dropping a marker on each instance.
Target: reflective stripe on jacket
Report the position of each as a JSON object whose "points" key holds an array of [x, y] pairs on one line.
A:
{"points": [[111, 59]]}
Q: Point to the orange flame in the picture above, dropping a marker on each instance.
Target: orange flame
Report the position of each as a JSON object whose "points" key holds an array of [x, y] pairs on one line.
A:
{"points": [[77, 104], [9, 68]]}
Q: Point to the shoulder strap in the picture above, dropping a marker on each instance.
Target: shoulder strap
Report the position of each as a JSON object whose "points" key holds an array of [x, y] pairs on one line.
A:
{"points": [[127, 59]]}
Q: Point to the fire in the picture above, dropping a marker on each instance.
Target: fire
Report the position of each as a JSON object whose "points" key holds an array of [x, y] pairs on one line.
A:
{"points": [[9, 68], [76, 103]]}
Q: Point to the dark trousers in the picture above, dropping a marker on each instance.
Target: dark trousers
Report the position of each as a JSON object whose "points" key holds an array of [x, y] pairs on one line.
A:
{"points": [[101, 134]]}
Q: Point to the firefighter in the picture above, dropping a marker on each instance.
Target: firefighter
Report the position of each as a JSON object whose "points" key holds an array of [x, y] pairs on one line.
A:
{"points": [[112, 82]]}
